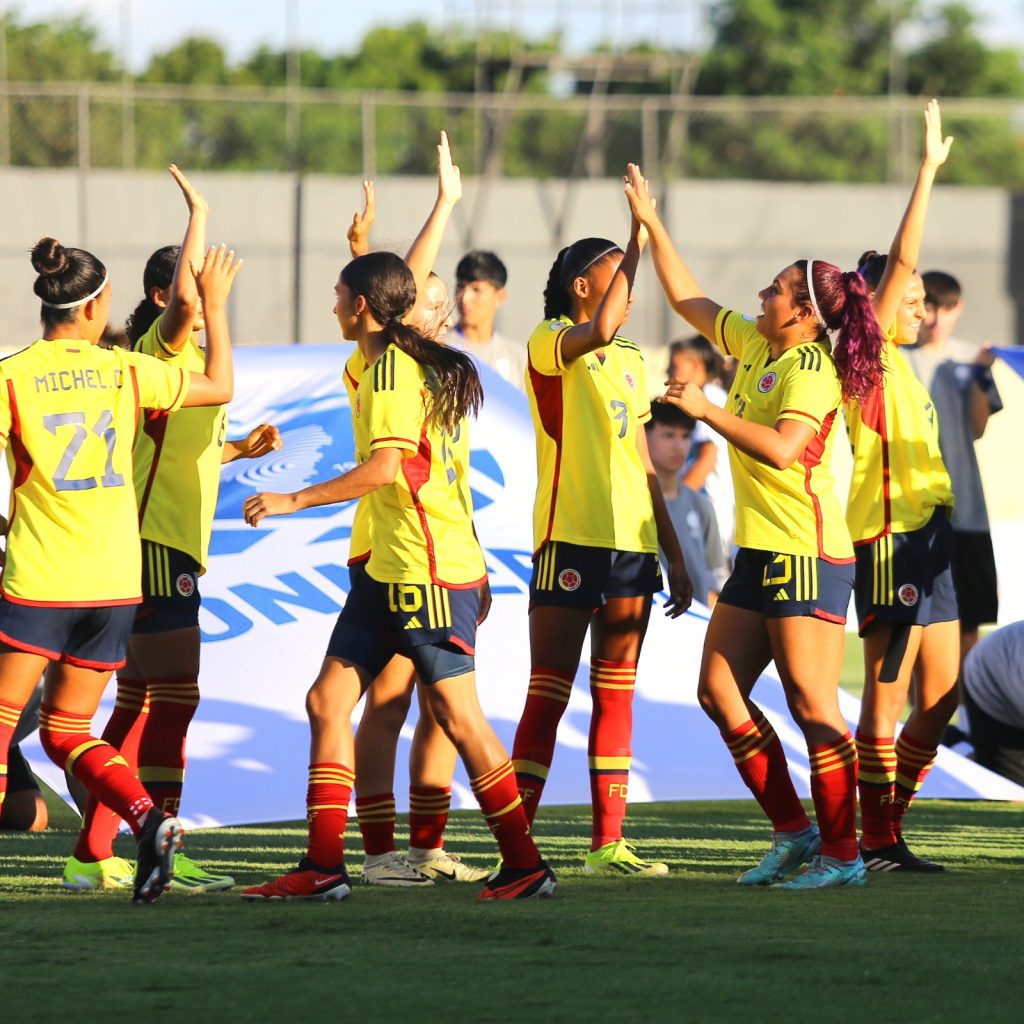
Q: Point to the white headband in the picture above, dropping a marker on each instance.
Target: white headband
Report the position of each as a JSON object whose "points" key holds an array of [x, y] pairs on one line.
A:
{"points": [[814, 302], [77, 302]]}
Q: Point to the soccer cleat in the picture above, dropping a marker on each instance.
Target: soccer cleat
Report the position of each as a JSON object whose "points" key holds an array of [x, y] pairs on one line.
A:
{"points": [[306, 882], [789, 850], [441, 865], [619, 858], [520, 884], [159, 841], [898, 857], [110, 873], [190, 877], [392, 869], [827, 873]]}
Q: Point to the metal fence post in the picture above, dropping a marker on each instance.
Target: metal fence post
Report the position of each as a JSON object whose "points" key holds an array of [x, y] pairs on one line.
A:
{"points": [[83, 164], [368, 107]]}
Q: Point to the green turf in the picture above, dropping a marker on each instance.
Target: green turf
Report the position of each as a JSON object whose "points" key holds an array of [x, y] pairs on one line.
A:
{"points": [[694, 946]]}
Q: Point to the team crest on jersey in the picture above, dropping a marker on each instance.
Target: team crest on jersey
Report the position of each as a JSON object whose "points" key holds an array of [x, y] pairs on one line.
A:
{"points": [[185, 584], [767, 382], [569, 579], [630, 381], [908, 594]]}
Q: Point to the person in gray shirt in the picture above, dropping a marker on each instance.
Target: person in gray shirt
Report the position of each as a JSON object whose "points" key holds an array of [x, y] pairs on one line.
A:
{"points": [[668, 440], [958, 377]]}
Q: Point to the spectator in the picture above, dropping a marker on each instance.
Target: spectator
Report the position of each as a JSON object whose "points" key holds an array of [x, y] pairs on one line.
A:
{"points": [[480, 280], [958, 377], [698, 360], [993, 693], [668, 440]]}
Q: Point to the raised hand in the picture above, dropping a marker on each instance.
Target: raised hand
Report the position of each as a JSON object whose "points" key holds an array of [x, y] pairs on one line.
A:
{"points": [[216, 276], [359, 230], [638, 192], [195, 200], [936, 148], [449, 177]]}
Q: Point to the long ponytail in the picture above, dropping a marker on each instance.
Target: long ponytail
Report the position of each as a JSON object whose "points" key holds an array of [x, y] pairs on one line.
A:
{"points": [[845, 306], [572, 262], [387, 285], [159, 273]]}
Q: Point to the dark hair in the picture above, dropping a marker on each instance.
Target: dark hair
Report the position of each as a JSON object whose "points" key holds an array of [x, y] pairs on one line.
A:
{"points": [[670, 415], [714, 361], [941, 289], [871, 266], [114, 338], [572, 262], [159, 273], [65, 275], [387, 285], [481, 265], [846, 307]]}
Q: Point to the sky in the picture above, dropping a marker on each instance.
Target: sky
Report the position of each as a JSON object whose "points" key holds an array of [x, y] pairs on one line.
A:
{"points": [[338, 25]]}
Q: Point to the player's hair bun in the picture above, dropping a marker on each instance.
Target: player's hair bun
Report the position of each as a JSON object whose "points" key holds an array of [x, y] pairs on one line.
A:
{"points": [[49, 257]]}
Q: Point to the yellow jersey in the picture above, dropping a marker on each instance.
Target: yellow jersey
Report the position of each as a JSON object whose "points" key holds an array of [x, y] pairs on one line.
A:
{"points": [[359, 542], [68, 414], [420, 528], [178, 457], [592, 487], [899, 478], [794, 510]]}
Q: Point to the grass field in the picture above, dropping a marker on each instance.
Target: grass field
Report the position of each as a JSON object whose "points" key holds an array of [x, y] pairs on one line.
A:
{"points": [[693, 947]]}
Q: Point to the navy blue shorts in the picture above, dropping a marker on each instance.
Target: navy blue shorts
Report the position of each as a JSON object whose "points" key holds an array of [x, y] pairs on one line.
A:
{"points": [[908, 577], [575, 576], [170, 590], [780, 586], [433, 626], [87, 637]]}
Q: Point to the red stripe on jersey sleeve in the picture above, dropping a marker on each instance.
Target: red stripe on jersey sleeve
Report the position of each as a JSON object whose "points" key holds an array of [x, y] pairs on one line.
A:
{"points": [[135, 389], [800, 412], [720, 331]]}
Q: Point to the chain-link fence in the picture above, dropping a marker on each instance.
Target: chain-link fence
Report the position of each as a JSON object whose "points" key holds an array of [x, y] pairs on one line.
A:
{"points": [[376, 133]]}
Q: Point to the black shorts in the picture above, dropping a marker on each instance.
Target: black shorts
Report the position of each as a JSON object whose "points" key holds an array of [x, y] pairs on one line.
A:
{"points": [[87, 637], [908, 577], [575, 576], [433, 626], [782, 586], [974, 576], [170, 590]]}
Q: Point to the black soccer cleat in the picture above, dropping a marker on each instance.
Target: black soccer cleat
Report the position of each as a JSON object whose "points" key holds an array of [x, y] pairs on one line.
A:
{"points": [[520, 884], [898, 857], [159, 840]]}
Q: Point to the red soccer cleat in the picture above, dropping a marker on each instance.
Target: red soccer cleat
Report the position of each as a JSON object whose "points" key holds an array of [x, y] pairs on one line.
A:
{"points": [[306, 882], [520, 884]]}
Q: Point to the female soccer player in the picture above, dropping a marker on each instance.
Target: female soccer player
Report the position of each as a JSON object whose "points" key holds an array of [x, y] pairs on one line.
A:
{"points": [[72, 579], [432, 755], [420, 593], [598, 518], [177, 458], [899, 516], [788, 594]]}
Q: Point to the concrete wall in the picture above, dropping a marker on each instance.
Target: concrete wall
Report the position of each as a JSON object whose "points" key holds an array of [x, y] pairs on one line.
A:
{"points": [[735, 235]]}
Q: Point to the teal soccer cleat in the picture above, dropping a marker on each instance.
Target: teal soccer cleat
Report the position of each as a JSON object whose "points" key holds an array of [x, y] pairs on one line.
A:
{"points": [[789, 850], [827, 873]]}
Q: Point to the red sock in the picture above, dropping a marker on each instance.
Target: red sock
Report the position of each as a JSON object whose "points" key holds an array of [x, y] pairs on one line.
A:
{"points": [[913, 763], [172, 705], [97, 765], [876, 774], [611, 728], [10, 715], [428, 815], [376, 816], [502, 807], [834, 792], [123, 732], [330, 788], [762, 765], [533, 749]]}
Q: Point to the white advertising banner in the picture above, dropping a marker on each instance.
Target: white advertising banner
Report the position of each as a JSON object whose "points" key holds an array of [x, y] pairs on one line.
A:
{"points": [[271, 596]]}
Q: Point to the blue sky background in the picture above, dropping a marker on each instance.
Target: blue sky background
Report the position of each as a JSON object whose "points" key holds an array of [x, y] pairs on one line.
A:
{"points": [[337, 25]]}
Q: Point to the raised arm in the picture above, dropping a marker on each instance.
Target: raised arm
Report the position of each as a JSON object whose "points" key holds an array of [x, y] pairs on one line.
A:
{"points": [[681, 289], [422, 254], [906, 246], [358, 233], [183, 299], [216, 385]]}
